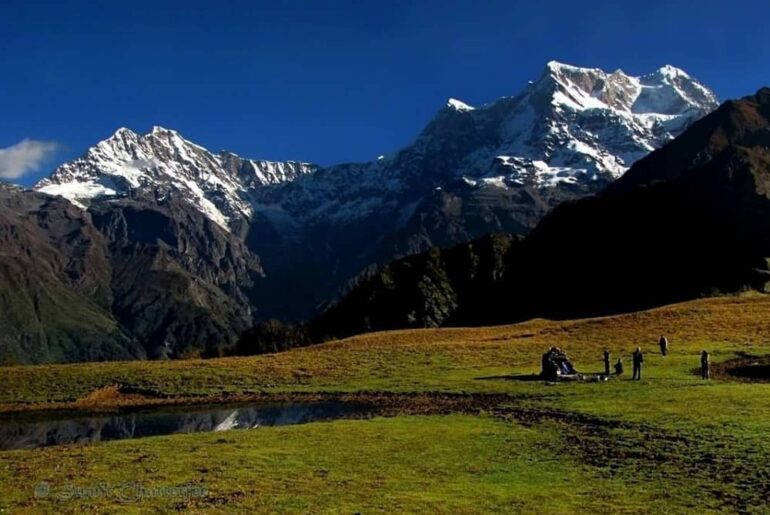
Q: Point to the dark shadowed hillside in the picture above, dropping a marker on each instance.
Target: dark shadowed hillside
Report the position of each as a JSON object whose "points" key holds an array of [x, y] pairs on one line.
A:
{"points": [[435, 288]]}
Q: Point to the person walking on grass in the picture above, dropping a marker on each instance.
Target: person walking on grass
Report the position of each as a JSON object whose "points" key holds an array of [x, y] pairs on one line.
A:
{"points": [[638, 359], [705, 365], [606, 362], [663, 342]]}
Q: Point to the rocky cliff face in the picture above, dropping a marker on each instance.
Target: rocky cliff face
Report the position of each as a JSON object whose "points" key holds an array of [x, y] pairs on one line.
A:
{"points": [[55, 293], [181, 283]]}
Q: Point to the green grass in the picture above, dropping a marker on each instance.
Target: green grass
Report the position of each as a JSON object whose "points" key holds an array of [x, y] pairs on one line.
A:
{"points": [[669, 443], [450, 464], [424, 360]]}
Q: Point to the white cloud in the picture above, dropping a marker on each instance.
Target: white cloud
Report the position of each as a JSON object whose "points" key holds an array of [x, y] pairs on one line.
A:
{"points": [[26, 156]]}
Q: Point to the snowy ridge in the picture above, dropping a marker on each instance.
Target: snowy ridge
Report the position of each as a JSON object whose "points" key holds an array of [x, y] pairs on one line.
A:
{"points": [[574, 128], [582, 124], [162, 161]]}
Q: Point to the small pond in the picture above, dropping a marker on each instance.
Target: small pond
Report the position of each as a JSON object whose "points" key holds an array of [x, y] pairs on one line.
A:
{"points": [[29, 431]]}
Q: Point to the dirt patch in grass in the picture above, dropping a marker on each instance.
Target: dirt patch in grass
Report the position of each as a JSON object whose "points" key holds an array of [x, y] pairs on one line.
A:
{"points": [[745, 368], [639, 452], [117, 394]]}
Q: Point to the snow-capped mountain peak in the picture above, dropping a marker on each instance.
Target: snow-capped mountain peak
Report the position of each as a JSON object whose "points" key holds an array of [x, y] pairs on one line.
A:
{"points": [[157, 129], [575, 124], [666, 91], [163, 161], [458, 105], [559, 67], [672, 71], [574, 128]]}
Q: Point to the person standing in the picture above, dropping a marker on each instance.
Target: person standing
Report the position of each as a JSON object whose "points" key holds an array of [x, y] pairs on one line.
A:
{"points": [[606, 362], [663, 342], [705, 365], [638, 359]]}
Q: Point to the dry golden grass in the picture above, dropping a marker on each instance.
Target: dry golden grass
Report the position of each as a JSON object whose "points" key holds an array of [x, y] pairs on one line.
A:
{"points": [[451, 359]]}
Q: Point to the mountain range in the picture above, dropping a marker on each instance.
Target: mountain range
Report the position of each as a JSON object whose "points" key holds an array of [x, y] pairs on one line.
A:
{"points": [[186, 248], [691, 219]]}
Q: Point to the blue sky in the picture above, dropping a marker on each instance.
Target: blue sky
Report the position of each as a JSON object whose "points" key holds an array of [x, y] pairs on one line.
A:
{"points": [[328, 81]]}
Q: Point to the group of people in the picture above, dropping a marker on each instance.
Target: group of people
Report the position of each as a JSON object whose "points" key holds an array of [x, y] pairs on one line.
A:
{"points": [[638, 358]]}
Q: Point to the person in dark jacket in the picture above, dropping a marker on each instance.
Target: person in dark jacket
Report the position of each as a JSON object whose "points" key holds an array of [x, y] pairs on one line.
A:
{"points": [[619, 367], [606, 362], [638, 360], [705, 365], [663, 342]]}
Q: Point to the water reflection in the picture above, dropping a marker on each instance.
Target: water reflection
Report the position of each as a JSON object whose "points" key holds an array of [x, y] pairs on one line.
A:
{"points": [[25, 432]]}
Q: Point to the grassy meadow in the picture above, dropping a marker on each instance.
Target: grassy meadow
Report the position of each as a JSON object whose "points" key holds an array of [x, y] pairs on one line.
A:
{"points": [[671, 442]]}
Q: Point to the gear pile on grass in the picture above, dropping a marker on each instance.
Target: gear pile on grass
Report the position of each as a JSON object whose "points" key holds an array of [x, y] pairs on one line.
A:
{"points": [[557, 365]]}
